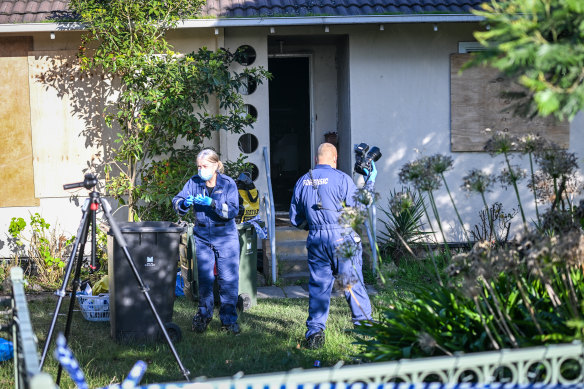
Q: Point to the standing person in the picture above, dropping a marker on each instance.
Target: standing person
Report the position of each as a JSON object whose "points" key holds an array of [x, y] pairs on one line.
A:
{"points": [[215, 202], [317, 203]]}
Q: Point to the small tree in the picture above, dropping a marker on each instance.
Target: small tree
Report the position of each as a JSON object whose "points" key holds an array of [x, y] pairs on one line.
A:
{"points": [[539, 43], [160, 95]]}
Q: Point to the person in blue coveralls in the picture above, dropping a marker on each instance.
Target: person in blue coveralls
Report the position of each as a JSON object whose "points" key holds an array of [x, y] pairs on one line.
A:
{"points": [[215, 201], [316, 205]]}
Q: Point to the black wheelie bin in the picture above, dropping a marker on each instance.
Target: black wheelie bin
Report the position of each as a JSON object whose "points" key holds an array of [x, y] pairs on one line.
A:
{"points": [[154, 247]]}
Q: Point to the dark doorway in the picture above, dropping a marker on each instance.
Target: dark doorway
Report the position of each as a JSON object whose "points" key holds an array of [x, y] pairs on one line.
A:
{"points": [[290, 146]]}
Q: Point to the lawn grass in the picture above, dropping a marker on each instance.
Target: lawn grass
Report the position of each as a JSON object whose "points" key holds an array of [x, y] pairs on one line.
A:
{"points": [[272, 339], [411, 271]]}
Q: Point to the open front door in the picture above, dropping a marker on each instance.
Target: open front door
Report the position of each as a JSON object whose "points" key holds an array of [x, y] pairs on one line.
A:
{"points": [[290, 125]]}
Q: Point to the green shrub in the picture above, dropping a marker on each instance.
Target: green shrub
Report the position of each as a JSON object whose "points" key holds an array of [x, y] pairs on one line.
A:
{"points": [[429, 320], [527, 293], [403, 223]]}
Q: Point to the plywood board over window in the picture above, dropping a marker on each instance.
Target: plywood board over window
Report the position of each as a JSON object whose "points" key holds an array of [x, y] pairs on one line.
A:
{"points": [[67, 121], [16, 158], [476, 104]]}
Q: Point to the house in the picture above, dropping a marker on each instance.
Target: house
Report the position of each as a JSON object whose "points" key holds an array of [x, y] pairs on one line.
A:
{"points": [[379, 72]]}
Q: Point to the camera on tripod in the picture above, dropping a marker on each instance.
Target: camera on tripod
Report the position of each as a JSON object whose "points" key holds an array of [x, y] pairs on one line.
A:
{"points": [[363, 158], [89, 182]]}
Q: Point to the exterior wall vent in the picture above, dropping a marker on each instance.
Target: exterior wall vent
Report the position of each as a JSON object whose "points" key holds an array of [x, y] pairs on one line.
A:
{"points": [[469, 47]]}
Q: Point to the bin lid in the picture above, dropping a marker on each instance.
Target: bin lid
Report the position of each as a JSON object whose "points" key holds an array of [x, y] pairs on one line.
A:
{"points": [[151, 226]]}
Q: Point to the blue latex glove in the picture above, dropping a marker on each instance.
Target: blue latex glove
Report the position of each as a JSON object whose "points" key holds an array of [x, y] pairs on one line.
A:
{"points": [[373, 175], [188, 201], [203, 200]]}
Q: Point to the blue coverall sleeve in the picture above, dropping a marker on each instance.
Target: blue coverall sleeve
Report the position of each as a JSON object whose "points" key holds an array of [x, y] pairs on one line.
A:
{"points": [[228, 208], [177, 201], [350, 189], [297, 214]]}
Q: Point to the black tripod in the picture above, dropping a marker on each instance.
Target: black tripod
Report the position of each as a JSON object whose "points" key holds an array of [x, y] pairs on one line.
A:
{"points": [[90, 208]]}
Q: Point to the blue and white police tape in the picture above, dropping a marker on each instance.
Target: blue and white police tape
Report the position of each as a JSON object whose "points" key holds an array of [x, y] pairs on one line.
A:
{"points": [[65, 357], [282, 384], [261, 231], [135, 375]]}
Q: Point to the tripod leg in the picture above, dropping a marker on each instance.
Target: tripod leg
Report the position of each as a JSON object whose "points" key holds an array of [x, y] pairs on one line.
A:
{"points": [[61, 292], [75, 285], [122, 242]]}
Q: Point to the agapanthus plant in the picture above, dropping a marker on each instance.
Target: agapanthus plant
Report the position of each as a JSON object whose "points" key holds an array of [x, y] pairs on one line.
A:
{"points": [[420, 175], [530, 144], [439, 164], [544, 187], [352, 219], [559, 165], [504, 143], [423, 176], [479, 182]]}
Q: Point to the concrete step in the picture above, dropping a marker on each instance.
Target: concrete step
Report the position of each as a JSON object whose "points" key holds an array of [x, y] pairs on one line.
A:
{"points": [[288, 256], [292, 257], [292, 265], [292, 247], [290, 233]]}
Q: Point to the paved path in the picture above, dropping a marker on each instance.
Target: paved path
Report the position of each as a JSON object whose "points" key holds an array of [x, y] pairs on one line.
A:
{"points": [[295, 291]]}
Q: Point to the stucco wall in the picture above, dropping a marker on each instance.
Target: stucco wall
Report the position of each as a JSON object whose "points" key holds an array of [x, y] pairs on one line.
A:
{"points": [[257, 39], [400, 102], [398, 96]]}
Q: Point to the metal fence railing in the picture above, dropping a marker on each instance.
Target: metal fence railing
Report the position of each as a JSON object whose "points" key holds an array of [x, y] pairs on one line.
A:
{"points": [[27, 373], [548, 366], [271, 216]]}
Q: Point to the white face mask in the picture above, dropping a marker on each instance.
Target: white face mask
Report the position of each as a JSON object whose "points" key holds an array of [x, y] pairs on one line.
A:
{"points": [[206, 174]]}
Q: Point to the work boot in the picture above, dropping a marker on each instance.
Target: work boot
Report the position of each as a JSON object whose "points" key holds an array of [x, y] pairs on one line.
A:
{"points": [[232, 328], [200, 323], [315, 341]]}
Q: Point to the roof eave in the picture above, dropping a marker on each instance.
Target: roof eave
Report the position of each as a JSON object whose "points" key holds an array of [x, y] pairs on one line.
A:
{"points": [[267, 22]]}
